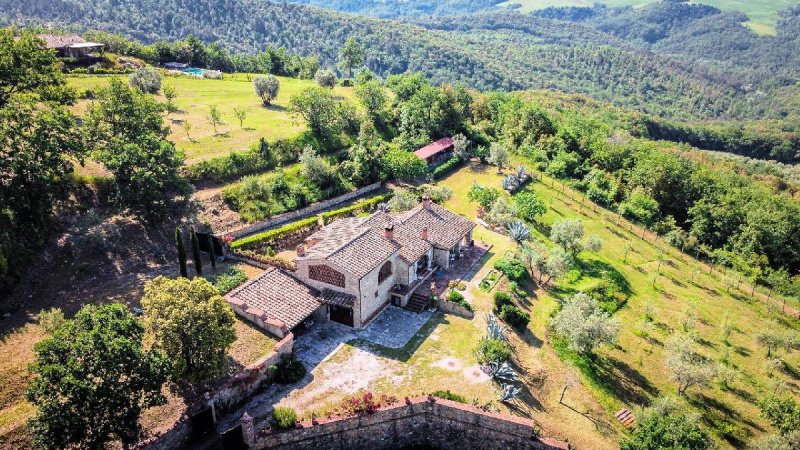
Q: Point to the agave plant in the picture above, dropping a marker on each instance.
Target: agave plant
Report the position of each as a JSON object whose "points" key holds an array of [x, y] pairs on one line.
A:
{"points": [[509, 183], [521, 173], [493, 328], [383, 207], [510, 393], [519, 231], [502, 371]]}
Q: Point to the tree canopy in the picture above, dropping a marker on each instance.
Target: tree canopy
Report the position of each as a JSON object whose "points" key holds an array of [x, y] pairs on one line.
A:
{"points": [[92, 380], [191, 323]]}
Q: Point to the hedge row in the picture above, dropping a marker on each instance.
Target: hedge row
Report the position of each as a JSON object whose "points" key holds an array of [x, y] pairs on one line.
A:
{"points": [[447, 167], [269, 237], [265, 238], [281, 152], [356, 208]]}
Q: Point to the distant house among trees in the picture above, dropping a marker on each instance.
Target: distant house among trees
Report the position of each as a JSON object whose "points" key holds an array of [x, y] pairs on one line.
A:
{"points": [[70, 46], [436, 152]]}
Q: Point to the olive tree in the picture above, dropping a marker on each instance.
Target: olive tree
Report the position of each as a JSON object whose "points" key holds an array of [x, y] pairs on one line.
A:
{"points": [[498, 155], [267, 87], [325, 78], [585, 325], [568, 234], [147, 80], [687, 367]]}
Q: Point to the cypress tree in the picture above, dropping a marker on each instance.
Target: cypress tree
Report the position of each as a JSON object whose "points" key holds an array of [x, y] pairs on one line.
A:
{"points": [[198, 264], [211, 252], [181, 252]]}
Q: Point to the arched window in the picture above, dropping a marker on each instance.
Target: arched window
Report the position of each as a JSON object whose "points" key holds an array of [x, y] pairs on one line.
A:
{"points": [[327, 275], [385, 272]]}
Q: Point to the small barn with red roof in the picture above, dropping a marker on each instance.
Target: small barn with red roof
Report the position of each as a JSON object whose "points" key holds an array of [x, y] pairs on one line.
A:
{"points": [[436, 152]]}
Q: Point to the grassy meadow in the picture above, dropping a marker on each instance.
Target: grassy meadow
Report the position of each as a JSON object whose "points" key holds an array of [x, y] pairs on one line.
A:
{"points": [[763, 14], [195, 96]]}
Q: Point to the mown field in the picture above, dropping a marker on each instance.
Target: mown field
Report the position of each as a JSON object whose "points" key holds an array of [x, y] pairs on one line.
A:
{"points": [[195, 96], [762, 13]]}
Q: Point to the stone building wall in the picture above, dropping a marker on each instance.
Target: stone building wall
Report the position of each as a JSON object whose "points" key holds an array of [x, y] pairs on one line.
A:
{"points": [[436, 423], [370, 303]]}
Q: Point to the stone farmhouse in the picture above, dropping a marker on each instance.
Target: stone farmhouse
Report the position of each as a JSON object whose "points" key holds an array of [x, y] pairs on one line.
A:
{"points": [[351, 269]]}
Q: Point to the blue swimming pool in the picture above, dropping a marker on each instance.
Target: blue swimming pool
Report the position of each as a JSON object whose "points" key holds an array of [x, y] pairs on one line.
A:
{"points": [[194, 71]]}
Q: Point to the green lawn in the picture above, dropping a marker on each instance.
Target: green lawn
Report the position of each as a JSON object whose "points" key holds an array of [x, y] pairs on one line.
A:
{"points": [[196, 95], [763, 14]]}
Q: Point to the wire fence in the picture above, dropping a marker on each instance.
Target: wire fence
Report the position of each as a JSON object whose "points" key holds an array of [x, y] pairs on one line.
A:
{"points": [[575, 199]]}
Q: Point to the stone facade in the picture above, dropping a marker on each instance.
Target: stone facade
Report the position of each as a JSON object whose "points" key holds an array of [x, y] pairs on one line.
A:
{"points": [[419, 422]]}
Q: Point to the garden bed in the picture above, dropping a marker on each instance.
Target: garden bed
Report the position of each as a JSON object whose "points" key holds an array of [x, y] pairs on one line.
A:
{"points": [[490, 280]]}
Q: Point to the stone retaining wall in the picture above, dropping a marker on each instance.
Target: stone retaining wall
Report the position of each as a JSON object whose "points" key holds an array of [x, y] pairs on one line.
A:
{"points": [[423, 421], [302, 213], [246, 382], [454, 309]]}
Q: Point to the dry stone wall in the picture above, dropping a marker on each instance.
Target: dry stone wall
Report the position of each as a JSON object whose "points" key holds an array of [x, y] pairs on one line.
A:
{"points": [[420, 422], [302, 213]]}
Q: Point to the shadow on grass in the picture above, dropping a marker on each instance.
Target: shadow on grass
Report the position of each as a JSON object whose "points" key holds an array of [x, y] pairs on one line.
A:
{"points": [[610, 375], [274, 107], [723, 419], [596, 268], [405, 352]]}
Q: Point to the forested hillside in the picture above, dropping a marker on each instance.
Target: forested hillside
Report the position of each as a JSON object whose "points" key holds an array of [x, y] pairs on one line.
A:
{"points": [[400, 8], [505, 51]]}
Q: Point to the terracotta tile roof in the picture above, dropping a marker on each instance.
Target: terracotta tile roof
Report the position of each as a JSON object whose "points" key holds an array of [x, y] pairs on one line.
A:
{"points": [[279, 295], [53, 41], [445, 228], [364, 253], [412, 244], [337, 298], [435, 147], [332, 237]]}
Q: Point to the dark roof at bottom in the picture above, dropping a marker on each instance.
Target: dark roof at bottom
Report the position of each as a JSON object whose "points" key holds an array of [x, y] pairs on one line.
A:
{"points": [[280, 296], [336, 298]]}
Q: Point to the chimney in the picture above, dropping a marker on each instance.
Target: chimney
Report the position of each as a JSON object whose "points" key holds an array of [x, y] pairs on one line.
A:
{"points": [[426, 201], [425, 234], [301, 250], [388, 231]]}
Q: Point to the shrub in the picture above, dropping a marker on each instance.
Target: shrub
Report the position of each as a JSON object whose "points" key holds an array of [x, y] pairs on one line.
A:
{"points": [[501, 299], [447, 395], [229, 280], [366, 205], [269, 237], [491, 350], [147, 80], [51, 319], [455, 296], [284, 417], [458, 298], [366, 404], [403, 165], [514, 269], [447, 167], [230, 167], [515, 317], [325, 78], [290, 370]]}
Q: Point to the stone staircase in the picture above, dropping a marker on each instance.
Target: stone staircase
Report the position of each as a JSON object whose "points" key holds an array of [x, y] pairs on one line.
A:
{"points": [[417, 303]]}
